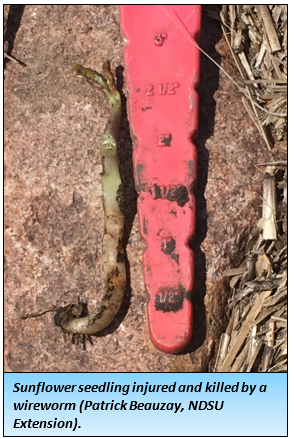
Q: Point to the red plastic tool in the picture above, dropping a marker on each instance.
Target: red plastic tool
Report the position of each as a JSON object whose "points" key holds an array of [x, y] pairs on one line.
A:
{"points": [[162, 70]]}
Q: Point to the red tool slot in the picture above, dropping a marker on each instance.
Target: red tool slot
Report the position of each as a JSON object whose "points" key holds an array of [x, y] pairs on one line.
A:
{"points": [[162, 70]]}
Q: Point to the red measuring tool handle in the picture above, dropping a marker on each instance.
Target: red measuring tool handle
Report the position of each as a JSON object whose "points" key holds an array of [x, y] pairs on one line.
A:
{"points": [[162, 69]]}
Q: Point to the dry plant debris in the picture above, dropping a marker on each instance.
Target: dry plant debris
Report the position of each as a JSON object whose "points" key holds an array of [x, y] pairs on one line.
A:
{"points": [[256, 335], [257, 36]]}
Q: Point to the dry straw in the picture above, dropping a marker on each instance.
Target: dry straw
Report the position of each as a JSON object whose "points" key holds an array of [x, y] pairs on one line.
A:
{"points": [[256, 335]]}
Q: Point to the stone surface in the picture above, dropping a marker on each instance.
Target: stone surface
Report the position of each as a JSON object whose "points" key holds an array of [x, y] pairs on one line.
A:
{"points": [[53, 195]]}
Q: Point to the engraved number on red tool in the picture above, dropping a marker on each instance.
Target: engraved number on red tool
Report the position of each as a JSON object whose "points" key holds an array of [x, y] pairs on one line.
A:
{"points": [[163, 191], [150, 90], [169, 299], [168, 88], [168, 245], [164, 140], [160, 38]]}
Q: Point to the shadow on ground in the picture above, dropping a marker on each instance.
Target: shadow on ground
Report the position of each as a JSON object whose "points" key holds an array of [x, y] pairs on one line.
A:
{"points": [[11, 27], [209, 81]]}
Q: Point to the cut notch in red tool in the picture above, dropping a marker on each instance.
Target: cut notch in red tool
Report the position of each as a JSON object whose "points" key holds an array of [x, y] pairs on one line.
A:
{"points": [[162, 70]]}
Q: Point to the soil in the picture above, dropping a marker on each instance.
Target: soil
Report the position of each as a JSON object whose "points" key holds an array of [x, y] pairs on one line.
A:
{"points": [[53, 195]]}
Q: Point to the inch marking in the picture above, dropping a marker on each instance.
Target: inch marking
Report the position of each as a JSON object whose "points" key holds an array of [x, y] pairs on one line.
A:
{"points": [[150, 90], [160, 38], [169, 299], [177, 193], [167, 88], [163, 191], [164, 140], [168, 246]]}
